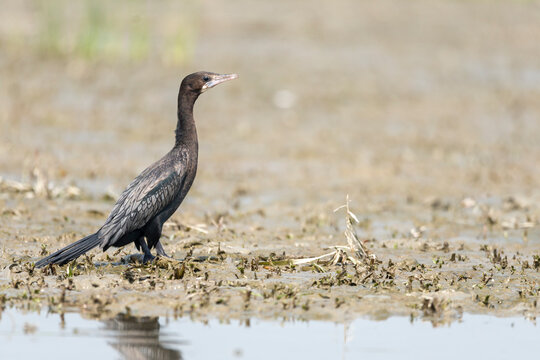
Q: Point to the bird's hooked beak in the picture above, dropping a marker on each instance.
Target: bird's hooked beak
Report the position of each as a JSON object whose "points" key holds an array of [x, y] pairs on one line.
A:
{"points": [[218, 79]]}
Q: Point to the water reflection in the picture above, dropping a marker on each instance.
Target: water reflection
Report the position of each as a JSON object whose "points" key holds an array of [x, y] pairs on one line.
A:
{"points": [[139, 338], [34, 335]]}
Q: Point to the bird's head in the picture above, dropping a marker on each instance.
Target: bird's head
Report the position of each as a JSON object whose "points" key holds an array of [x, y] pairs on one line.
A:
{"points": [[201, 81]]}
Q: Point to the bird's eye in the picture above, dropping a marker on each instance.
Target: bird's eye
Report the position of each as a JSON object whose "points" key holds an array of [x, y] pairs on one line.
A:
{"points": [[206, 78]]}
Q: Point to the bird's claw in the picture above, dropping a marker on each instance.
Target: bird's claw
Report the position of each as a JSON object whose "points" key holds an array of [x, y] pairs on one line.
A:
{"points": [[148, 258]]}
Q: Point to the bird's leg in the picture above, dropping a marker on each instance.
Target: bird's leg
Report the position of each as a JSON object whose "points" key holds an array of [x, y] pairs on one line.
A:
{"points": [[163, 256], [146, 250], [153, 234], [161, 251]]}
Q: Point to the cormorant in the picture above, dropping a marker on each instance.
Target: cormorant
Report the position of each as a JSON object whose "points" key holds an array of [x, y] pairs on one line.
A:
{"points": [[157, 192]]}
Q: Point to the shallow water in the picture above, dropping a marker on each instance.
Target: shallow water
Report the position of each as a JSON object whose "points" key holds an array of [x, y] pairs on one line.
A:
{"points": [[30, 335]]}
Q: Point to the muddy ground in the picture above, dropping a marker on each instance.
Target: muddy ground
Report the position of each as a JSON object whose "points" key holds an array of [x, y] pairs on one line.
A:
{"points": [[427, 114]]}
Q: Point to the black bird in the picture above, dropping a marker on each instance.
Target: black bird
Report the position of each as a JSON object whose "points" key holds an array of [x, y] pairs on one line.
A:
{"points": [[157, 192]]}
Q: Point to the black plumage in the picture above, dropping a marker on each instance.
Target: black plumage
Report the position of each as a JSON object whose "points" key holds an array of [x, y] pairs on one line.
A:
{"points": [[153, 196]]}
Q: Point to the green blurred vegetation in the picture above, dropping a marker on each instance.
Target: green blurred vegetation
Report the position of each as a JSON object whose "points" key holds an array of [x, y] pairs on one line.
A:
{"points": [[100, 30]]}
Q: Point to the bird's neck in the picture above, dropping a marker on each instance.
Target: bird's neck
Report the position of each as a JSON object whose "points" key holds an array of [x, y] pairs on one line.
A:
{"points": [[186, 133]]}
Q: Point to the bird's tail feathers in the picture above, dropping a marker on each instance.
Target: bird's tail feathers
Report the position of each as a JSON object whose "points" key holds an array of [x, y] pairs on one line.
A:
{"points": [[70, 252]]}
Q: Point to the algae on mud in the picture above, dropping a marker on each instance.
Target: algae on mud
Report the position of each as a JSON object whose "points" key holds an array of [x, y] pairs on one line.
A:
{"points": [[411, 275]]}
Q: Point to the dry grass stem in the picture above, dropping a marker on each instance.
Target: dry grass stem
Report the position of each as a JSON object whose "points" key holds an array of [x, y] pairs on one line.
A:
{"points": [[355, 252]]}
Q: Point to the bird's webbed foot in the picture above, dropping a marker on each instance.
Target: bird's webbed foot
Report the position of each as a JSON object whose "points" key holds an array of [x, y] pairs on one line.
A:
{"points": [[148, 257], [161, 251], [162, 256]]}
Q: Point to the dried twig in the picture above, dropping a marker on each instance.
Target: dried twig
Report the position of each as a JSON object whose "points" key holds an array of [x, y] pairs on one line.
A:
{"points": [[355, 252], [355, 244], [39, 186]]}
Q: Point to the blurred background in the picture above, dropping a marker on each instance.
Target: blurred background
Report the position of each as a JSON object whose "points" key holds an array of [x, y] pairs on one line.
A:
{"points": [[389, 101]]}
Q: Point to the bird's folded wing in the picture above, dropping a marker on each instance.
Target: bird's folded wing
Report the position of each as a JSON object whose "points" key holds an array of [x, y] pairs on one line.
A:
{"points": [[150, 193]]}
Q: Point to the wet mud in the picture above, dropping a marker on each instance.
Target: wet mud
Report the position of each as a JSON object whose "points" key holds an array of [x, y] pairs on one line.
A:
{"points": [[432, 134]]}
